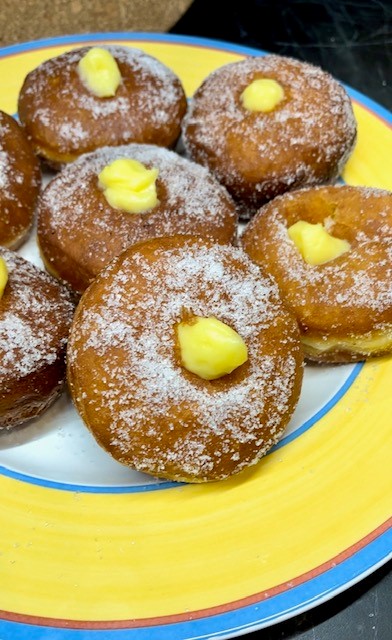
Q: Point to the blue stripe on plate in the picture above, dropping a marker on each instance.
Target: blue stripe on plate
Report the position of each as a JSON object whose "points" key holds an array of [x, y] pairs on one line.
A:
{"points": [[193, 41], [242, 620], [138, 36], [327, 407], [158, 486], [280, 607]]}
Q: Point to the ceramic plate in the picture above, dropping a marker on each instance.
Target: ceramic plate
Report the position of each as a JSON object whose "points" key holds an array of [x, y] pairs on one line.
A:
{"points": [[92, 550]]}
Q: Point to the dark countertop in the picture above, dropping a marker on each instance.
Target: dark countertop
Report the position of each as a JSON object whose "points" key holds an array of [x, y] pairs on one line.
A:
{"points": [[353, 41]]}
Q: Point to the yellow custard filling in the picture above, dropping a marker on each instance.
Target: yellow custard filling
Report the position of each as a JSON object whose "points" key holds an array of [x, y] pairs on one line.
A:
{"points": [[128, 185], [315, 244], [99, 72], [210, 348], [378, 341], [262, 95]]}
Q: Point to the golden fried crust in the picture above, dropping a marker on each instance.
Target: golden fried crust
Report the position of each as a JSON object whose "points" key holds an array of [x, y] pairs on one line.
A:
{"points": [[305, 140], [35, 317], [125, 371], [20, 180], [64, 119], [79, 232], [344, 307]]}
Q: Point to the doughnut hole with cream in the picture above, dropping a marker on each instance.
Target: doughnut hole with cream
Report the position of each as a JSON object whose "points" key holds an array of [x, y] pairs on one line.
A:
{"points": [[138, 392], [81, 228], [65, 115], [267, 125], [343, 304]]}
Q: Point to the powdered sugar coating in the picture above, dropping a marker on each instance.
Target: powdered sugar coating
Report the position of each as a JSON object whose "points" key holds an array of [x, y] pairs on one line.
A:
{"points": [[35, 318], [64, 118], [305, 140], [75, 218], [350, 295], [139, 401], [35, 314], [19, 183]]}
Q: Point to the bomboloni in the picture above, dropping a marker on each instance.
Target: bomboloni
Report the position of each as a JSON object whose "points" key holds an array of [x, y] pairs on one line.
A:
{"points": [[35, 317], [20, 182], [270, 124], [65, 117], [82, 223], [130, 368], [330, 252]]}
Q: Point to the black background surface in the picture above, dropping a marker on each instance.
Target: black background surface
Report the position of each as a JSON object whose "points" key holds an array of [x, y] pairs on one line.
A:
{"points": [[350, 39], [353, 41]]}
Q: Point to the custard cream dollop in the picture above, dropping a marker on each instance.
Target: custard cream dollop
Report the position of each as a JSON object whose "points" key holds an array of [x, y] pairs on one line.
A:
{"points": [[128, 185], [315, 244], [263, 95], [99, 72], [210, 348]]}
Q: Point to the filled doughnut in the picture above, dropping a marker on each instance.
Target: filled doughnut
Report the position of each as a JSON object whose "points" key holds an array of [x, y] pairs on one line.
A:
{"points": [[20, 181], [270, 124], [108, 200], [35, 317], [97, 96], [183, 361], [330, 251]]}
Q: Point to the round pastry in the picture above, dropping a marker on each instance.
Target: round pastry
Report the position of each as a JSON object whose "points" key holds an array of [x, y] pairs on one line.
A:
{"points": [[82, 226], [20, 181], [35, 317], [97, 96], [330, 251], [270, 124], [183, 361]]}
